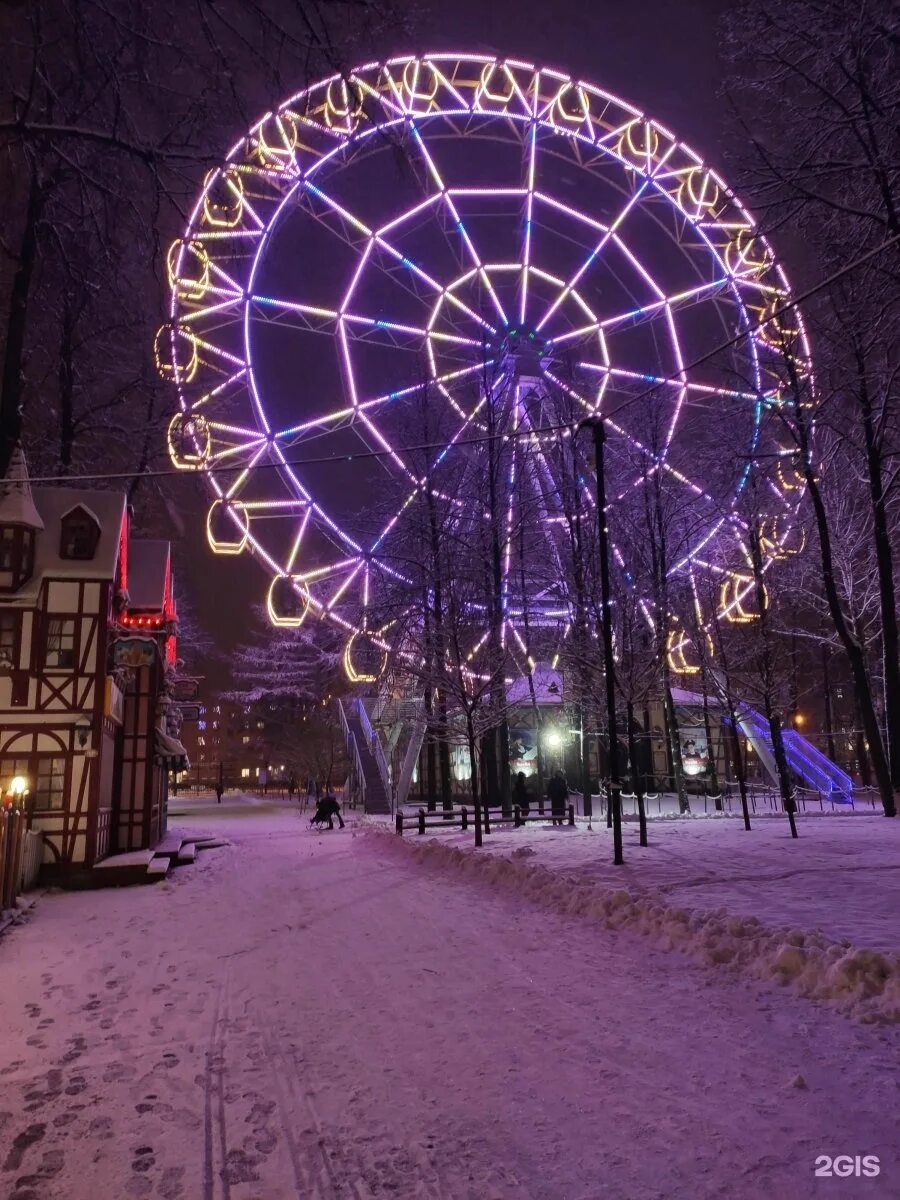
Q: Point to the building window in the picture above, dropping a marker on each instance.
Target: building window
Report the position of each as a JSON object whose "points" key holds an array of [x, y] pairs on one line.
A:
{"points": [[79, 535], [9, 630], [246, 740], [60, 653], [245, 772], [201, 724], [7, 548], [49, 782], [201, 741], [10, 768]]}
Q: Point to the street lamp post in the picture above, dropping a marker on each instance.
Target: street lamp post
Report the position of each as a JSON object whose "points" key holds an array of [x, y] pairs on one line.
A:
{"points": [[598, 429]]}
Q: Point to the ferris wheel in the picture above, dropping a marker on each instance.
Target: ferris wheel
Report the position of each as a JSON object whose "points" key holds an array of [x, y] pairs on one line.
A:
{"points": [[391, 254]]}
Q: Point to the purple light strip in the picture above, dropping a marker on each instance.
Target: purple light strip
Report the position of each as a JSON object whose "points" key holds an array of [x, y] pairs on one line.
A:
{"points": [[569, 287], [529, 210]]}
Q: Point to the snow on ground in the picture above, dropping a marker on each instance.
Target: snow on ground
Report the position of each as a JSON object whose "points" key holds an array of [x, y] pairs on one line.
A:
{"points": [[820, 911], [317, 1015]]}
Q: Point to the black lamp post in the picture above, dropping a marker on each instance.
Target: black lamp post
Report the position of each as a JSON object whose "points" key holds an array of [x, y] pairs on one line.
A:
{"points": [[598, 429]]}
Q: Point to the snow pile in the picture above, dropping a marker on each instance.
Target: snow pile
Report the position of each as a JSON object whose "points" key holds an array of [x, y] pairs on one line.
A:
{"points": [[861, 982]]}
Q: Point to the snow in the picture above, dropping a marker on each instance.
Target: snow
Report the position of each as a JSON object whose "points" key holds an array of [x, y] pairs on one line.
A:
{"points": [[320, 1015], [819, 912]]}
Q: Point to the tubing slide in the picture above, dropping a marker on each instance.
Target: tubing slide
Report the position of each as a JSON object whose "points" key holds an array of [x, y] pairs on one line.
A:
{"points": [[805, 760]]}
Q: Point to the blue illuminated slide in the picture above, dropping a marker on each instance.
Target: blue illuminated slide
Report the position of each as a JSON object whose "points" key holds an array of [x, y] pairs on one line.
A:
{"points": [[806, 761]]}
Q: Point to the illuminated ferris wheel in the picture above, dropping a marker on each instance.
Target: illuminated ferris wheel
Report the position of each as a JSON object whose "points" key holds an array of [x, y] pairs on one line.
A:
{"points": [[393, 253]]}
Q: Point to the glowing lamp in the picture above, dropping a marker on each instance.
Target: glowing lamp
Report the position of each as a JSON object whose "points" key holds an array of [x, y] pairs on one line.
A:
{"points": [[553, 738], [18, 786]]}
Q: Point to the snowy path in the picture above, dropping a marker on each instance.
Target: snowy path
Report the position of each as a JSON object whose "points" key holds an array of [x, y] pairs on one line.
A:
{"points": [[304, 1015]]}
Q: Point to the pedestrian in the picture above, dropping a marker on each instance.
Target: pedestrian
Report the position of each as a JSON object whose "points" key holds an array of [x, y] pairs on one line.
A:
{"points": [[292, 784], [326, 810], [520, 793], [219, 791], [558, 794]]}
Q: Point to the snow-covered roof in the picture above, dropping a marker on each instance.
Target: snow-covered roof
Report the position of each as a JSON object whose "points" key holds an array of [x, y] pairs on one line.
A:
{"points": [[51, 505], [148, 569], [548, 687], [16, 501]]}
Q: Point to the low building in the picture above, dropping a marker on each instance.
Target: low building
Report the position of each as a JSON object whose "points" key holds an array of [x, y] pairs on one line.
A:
{"points": [[84, 670]]}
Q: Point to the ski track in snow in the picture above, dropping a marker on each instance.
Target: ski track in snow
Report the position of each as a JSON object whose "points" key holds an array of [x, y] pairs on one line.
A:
{"points": [[308, 1015]]}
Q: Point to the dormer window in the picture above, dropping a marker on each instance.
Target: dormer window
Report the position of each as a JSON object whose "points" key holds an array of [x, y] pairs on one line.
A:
{"points": [[79, 534]]}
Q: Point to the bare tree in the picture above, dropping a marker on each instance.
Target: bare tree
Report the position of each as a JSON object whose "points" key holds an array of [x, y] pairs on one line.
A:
{"points": [[111, 111]]}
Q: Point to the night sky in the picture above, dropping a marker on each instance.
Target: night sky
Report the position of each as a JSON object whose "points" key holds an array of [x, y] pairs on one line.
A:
{"points": [[661, 57]]}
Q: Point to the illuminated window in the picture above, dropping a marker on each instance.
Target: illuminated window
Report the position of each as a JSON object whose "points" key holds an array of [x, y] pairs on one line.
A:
{"points": [[245, 772], [60, 651], [246, 740], [201, 741], [49, 782], [201, 724], [11, 767]]}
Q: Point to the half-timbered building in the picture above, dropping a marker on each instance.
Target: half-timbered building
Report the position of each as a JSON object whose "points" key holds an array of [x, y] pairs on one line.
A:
{"points": [[83, 675]]}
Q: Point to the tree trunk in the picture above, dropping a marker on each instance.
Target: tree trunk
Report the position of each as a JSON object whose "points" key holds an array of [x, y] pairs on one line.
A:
{"points": [[684, 805], [473, 777], [636, 781], [16, 327], [66, 391], [710, 750], [829, 712], [890, 638], [853, 650], [770, 705]]}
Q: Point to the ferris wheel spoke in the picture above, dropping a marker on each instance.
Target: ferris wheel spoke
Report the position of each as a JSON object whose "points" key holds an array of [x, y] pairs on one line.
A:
{"points": [[548, 518], [340, 417], [659, 307], [666, 381], [397, 255], [421, 484], [400, 335], [530, 169], [461, 229], [593, 256]]}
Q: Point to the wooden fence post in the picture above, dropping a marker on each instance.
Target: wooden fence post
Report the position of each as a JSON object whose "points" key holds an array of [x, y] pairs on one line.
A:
{"points": [[571, 814], [421, 820], [400, 822], [465, 818]]}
